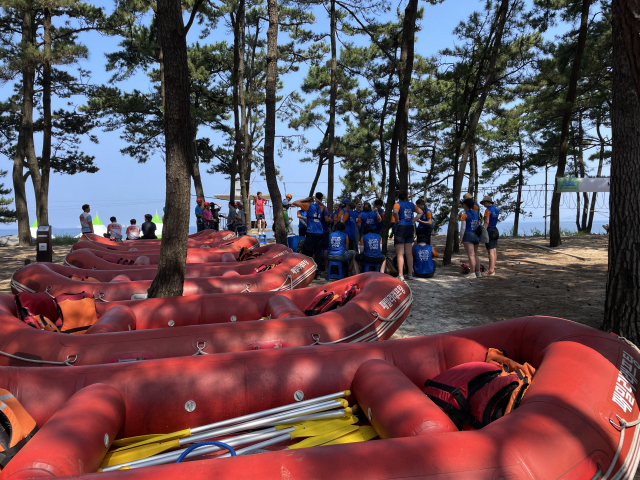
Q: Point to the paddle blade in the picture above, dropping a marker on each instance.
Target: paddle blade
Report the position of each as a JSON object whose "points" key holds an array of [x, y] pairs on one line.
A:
{"points": [[362, 435], [327, 437], [339, 422], [321, 428], [138, 453], [150, 439]]}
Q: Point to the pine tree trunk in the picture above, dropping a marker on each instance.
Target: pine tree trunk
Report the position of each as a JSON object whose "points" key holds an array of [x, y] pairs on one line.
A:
{"points": [[501, 18], [279, 229], [622, 302], [554, 227], [237, 148], [243, 119], [516, 218], [472, 172], [583, 173], [629, 14], [194, 166], [594, 195], [383, 156], [45, 162], [332, 108], [405, 71], [20, 194], [169, 280]]}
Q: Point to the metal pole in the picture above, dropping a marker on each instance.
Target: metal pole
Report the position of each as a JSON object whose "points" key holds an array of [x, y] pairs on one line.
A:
{"points": [[546, 171]]}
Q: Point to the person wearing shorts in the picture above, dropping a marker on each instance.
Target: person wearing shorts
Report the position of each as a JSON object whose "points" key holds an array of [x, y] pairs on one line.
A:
{"points": [[491, 215], [258, 203], [313, 241], [424, 224], [372, 252], [469, 223], [403, 212]]}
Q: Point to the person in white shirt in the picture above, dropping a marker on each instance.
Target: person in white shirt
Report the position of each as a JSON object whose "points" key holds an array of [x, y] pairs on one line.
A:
{"points": [[133, 231], [86, 222], [114, 229]]}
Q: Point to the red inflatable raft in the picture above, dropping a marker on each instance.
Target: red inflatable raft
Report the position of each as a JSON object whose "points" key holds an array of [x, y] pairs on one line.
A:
{"points": [[291, 271], [568, 425], [87, 259], [216, 323]]}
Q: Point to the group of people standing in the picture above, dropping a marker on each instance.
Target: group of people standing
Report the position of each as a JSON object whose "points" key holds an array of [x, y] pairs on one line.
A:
{"points": [[207, 215], [472, 231]]}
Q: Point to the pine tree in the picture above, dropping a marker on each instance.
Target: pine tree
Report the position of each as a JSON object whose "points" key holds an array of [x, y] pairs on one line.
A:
{"points": [[6, 215]]}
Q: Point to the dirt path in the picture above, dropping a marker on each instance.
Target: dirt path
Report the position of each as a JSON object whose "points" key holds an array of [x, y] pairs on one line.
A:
{"points": [[12, 258]]}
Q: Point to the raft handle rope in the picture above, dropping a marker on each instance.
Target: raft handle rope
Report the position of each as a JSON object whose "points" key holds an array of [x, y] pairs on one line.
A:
{"points": [[387, 321], [68, 362], [101, 298], [203, 444], [200, 349], [622, 426]]}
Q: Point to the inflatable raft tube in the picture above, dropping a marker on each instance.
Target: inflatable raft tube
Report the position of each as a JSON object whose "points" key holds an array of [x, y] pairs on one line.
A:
{"points": [[567, 426], [230, 245], [150, 245], [293, 271], [201, 237], [194, 255], [184, 326], [87, 259]]}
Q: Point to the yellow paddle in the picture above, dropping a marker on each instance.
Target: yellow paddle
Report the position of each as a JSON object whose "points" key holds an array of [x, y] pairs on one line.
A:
{"points": [[362, 435], [304, 429], [181, 434], [321, 439]]}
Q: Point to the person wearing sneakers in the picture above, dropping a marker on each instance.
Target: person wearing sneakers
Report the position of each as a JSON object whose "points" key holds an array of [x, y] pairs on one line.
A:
{"points": [[403, 212], [491, 224], [199, 217], [424, 264], [469, 236], [258, 203]]}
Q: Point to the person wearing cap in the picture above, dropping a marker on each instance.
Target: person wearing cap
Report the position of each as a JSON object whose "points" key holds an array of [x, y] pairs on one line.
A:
{"points": [[286, 205], [199, 217], [258, 203], [491, 215]]}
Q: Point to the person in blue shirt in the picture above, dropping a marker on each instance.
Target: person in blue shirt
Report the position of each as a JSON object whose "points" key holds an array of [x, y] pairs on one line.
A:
{"points": [[469, 226], [349, 218], [302, 223], [367, 217], [199, 217], [378, 207], [491, 215], [424, 264], [315, 211], [424, 223], [326, 220], [372, 253], [339, 248], [403, 212]]}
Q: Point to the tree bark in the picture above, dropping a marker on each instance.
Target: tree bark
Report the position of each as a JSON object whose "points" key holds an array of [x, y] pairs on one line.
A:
{"points": [[472, 173], [405, 71], [516, 218], [169, 278], [406, 57], [383, 157], [245, 186], [279, 229], [237, 86], [622, 302], [332, 108], [45, 162], [20, 194], [629, 14], [594, 195], [501, 18], [554, 227]]}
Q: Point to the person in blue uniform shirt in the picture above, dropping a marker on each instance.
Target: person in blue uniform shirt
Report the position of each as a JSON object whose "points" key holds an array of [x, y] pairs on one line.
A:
{"points": [[424, 264], [491, 215]]}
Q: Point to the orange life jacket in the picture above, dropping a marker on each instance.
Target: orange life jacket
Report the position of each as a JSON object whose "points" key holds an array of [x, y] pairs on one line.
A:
{"points": [[16, 427], [77, 315], [524, 373], [246, 254]]}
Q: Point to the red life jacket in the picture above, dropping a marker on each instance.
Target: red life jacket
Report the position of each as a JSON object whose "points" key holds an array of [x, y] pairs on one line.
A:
{"points": [[34, 304], [474, 393], [323, 302]]}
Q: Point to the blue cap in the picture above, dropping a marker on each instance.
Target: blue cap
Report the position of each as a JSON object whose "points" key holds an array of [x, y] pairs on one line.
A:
{"points": [[345, 201]]}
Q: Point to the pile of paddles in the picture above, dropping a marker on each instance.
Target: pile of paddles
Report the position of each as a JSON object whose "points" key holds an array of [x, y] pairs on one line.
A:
{"points": [[253, 373]]}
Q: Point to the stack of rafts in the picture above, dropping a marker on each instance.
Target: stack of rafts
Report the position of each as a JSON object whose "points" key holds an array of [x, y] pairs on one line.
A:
{"points": [[208, 385]]}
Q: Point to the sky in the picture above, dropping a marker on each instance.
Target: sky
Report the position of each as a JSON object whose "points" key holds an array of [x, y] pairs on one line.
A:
{"points": [[126, 189]]}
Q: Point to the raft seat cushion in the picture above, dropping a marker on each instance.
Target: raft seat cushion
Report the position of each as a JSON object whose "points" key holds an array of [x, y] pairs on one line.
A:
{"points": [[280, 306], [230, 273], [228, 257], [117, 319], [120, 278], [396, 407], [75, 439]]}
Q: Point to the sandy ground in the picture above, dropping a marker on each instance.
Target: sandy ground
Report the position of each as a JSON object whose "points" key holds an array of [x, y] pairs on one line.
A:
{"points": [[528, 281]]}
